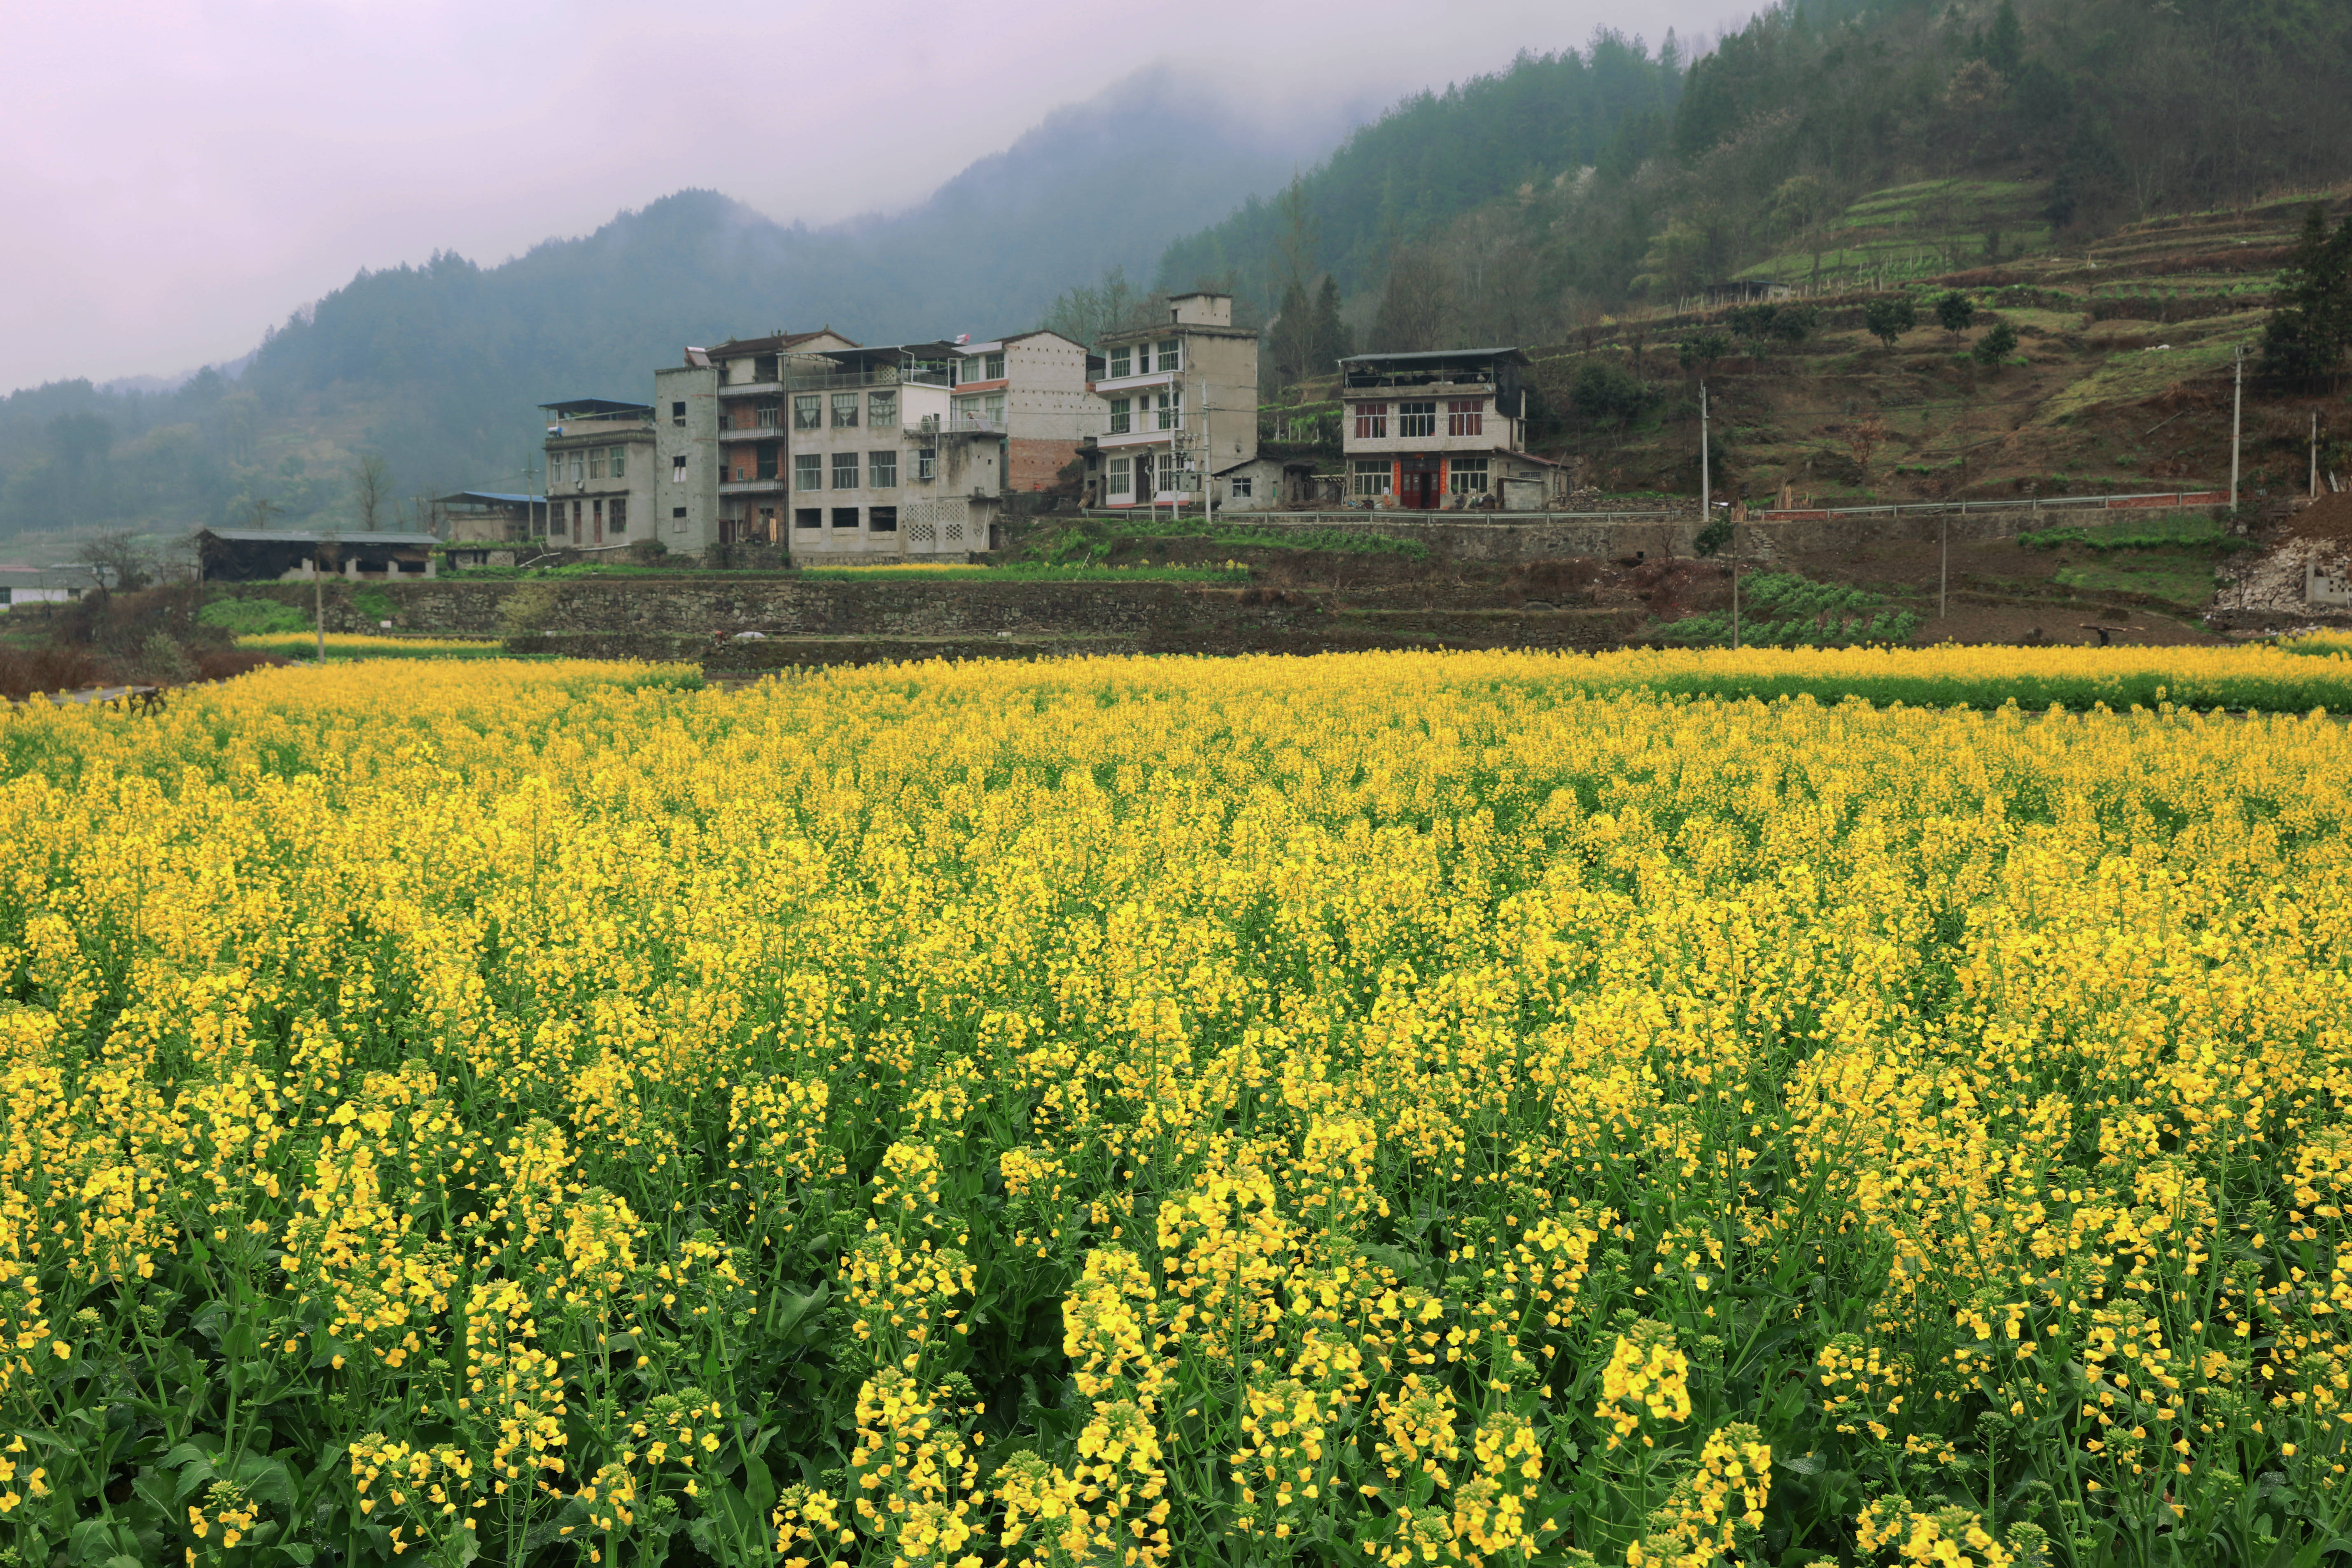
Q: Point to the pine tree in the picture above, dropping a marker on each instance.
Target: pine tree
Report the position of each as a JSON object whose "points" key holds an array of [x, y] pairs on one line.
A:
{"points": [[2308, 335], [1332, 340], [1293, 336]]}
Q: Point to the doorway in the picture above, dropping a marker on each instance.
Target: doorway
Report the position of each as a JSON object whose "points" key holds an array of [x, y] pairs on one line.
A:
{"points": [[1417, 486]]}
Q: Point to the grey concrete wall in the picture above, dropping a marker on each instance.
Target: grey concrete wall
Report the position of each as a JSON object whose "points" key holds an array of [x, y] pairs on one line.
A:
{"points": [[697, 386]]}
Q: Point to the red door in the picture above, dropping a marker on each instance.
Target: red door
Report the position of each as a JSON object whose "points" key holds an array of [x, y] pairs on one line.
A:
{"points": [[1419, 489]]}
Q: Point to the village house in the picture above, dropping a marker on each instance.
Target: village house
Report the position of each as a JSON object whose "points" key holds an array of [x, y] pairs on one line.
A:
{"points": [[881, 467], [1442, 430], [1032, 390], [1178, 402], [600, 472], [41, 585]]}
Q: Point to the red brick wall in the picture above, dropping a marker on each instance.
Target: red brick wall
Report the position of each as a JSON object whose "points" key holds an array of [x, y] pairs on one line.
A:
{"points": [[1032, 462]]}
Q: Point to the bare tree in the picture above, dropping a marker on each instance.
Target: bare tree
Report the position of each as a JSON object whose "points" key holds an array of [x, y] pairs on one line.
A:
{"points": [[370, 488], [117, 562], [1416, 308]]}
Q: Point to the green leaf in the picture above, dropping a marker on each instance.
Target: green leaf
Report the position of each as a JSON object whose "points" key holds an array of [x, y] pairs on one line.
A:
{"points": [[1803, 1464]]}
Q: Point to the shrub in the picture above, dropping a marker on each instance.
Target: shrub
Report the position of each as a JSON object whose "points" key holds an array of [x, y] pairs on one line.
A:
{"points": [[528, 612], [1996, 345]]}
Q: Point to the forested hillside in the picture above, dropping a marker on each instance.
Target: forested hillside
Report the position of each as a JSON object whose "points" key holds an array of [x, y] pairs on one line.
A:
{"points": [[1571, 185], [437, 367]]}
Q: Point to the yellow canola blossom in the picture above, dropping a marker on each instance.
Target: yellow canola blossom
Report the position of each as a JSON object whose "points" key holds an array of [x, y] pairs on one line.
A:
{"points": [[1462, 1109]]}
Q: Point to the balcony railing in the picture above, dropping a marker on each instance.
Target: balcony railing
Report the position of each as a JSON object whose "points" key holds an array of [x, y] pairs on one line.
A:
{"points": [[753, 433], [848, 380]]}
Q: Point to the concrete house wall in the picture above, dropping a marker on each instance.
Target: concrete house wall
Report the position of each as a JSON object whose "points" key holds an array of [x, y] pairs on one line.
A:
{"points": [[686, 425], [597, 509]]}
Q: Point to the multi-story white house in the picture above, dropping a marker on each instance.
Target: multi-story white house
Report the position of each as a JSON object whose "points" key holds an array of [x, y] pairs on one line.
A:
{"points": [[1178, 405], [1442, 430], [1031, 390]]}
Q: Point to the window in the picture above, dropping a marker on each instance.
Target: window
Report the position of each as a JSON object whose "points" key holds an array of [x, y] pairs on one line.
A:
{"points": [[808, 517], [577, 531], [884, 519], [1171, 354], [1171, 409], [881, 409], [1415, 420], [845, 470], [1122, 477], [617, 515], [882, 470], [677, 470], [766, 457], [1465, 416], [678, 514], [1120, 361], [1239, 486], [1372, 478], [595, 462], [1371, 421], [808, 471], [846, 517], [808, 412], [677, 415], [770, 413], [763, 367], [844, 411], [927, 464], [992, 405], [1143, 359], [1121, 420], [579, 469], [1467, 477], [618, 457], [1144, 485], [995, 368]]}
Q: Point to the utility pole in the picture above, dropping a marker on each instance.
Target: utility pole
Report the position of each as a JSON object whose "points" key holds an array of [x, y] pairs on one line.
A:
{"points": [[1943, 566], [1706, 479], [1735, 602], [2237, 427]]}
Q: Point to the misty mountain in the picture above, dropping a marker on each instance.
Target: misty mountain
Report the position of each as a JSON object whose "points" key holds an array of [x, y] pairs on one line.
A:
{"points": [[440, 366]]}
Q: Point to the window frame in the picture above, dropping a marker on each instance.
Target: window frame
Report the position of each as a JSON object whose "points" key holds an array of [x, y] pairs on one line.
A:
{"points": [[850, 463], [1465, 416], [1371, 421], [1171, 409], [808, 471], [834, 520], [1122, 363], [1242, 485], [678, 467], [927, 464], [616, 461], [810, 516], [1122, 415], [1118, 478], [844, 410], [882, 469], [882, 409], [882, 519], [808, 411], [1168, 354], [1370, 479], [1417, 421], [1460, 470], [617, 515]]}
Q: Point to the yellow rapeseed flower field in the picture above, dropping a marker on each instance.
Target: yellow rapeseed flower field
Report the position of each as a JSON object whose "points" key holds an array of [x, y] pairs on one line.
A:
{"points": [[1394, 1109]]}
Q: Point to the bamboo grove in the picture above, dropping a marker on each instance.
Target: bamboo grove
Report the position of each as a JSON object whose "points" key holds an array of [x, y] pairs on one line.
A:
{"points": [[1389, 1109]]}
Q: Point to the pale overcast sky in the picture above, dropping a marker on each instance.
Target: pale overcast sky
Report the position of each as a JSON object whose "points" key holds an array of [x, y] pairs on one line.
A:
{"points": [[180, 174]]}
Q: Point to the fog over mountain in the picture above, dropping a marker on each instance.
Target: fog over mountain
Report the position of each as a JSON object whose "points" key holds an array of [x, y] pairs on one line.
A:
{"points": [[439, 366]]}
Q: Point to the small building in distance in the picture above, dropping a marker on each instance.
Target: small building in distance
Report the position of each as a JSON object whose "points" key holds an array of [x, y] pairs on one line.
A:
{"points": [[1178, 400], [298, 555], [600, 472], [41, 585], [1442, 430], [488, 516]]}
